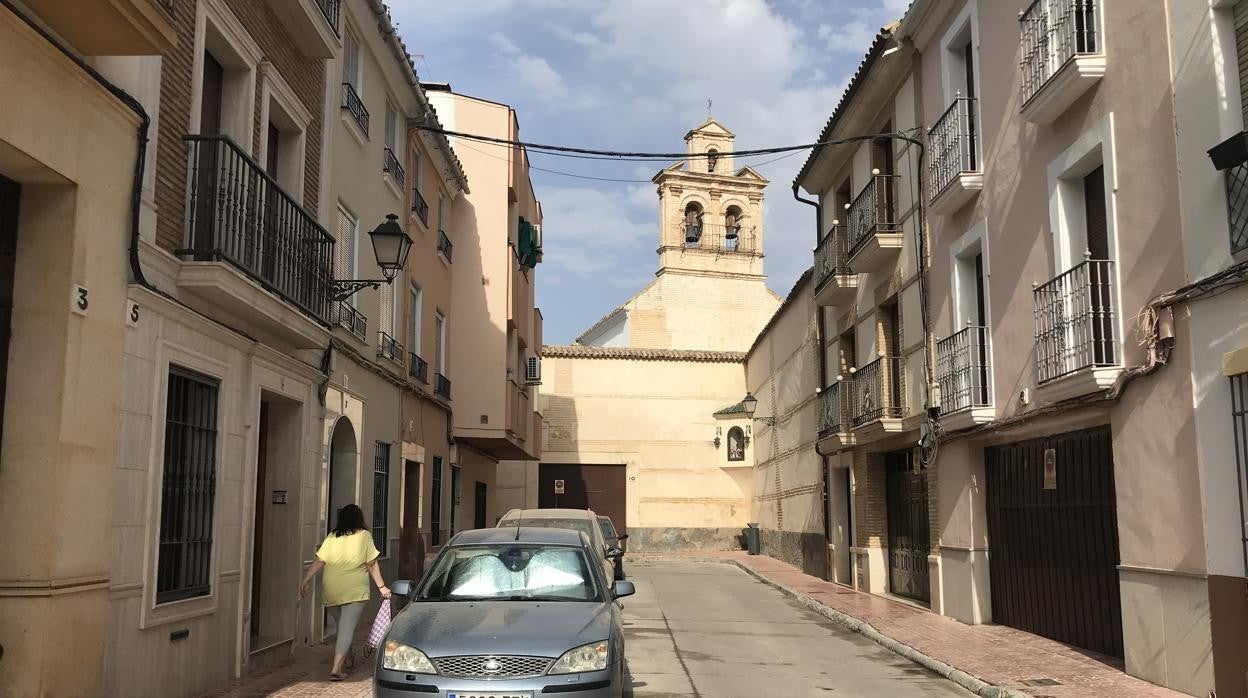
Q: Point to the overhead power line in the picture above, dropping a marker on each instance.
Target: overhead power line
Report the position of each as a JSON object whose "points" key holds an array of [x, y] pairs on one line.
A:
{"points": [[595, 153]]}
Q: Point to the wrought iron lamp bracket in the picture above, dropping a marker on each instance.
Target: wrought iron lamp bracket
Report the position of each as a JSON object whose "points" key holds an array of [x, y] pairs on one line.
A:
{"points": [[345, 288]]}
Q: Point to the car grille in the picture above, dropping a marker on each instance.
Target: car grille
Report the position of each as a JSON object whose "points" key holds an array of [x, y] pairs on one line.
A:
{"points": [[488, 666]]}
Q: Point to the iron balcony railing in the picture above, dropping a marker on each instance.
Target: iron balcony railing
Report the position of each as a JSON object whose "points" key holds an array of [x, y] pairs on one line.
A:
{"points": [[167, 4], [962, 368], [391, 165], [951, 144], [390, 348], [834, 409], [330, 8], [240, 215], [830, 256], [351, 102], [717, 237], [442, 385], [1053, 32], [420, 207], [444, 245], [874, 211], [877, 391], [351, 319], [417, 368], [1075, 321]]}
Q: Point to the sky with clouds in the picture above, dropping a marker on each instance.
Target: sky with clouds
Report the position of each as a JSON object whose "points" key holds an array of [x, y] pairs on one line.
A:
{"points": [[636, 75]]}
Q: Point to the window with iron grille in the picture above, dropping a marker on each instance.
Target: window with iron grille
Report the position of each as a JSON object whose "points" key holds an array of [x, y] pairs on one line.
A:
{"points": [[1239, 414], [344, 247], [381, 496], [435, 507], [1237, 206], [188, 487]]}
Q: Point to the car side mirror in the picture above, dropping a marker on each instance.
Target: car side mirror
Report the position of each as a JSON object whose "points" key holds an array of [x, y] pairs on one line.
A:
{"points": [[623, 588], [613, 553], [623, 536], [403, 587]]}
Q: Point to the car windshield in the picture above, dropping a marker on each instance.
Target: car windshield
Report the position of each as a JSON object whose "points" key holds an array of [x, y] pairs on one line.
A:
{"points": [[608, 528], [510, 572]]}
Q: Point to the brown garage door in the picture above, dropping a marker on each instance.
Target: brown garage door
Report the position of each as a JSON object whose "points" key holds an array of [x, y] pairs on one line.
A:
{"points": [[1054, 539], [577, 486]]}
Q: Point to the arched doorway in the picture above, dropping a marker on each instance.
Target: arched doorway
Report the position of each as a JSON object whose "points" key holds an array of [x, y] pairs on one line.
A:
{"points": [[343, 469]]}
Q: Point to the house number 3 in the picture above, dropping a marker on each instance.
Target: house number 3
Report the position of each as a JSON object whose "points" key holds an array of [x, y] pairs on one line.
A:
{"points": [[79, 300]]}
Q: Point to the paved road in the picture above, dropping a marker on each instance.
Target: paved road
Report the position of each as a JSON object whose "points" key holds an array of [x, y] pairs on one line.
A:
{"points": [[711, 630]]}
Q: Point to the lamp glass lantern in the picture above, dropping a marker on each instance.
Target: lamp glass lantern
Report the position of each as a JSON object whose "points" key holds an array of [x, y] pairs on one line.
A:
{"points": [[749, 403], [391, 246]]}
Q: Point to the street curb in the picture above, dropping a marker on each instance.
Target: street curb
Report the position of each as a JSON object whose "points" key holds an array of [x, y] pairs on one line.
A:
{"points": [[978, 687]]}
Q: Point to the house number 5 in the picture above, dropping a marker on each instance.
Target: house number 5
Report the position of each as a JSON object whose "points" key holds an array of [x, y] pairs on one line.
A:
{"points": [[80, 300]]}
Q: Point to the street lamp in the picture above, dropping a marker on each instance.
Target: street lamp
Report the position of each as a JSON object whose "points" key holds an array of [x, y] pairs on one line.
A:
{"points": [[390, 246], [749, 403]]}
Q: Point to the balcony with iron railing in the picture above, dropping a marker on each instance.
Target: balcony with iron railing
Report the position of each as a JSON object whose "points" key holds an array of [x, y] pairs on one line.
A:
{"points": [[835, 433], [954, 174], [442, 386], [872, 232], [417, 368], [240, 216], [835, 283], [420, 207], [330, 10], [1077, 348], [390, 165], [877, 394], [355, 107], [390, 348], [444, 245], [113, 28], [351, 320], [964, 373], [1062, 55], [717, 237]]}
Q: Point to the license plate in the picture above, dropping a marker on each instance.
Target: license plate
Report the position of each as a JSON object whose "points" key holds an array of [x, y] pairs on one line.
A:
{"points": [[457, 694]]}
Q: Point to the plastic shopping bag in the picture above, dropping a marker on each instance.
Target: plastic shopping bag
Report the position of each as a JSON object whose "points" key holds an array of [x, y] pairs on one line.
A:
{"points": [[380, 625]]}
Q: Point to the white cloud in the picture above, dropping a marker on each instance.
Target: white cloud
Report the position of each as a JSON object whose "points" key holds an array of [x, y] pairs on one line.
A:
{"points": [[536, 73], [853, 36]]}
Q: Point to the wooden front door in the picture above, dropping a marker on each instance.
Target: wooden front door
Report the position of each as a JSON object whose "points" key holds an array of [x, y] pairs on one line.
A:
{"points": [[908, 530], [10, 197]]}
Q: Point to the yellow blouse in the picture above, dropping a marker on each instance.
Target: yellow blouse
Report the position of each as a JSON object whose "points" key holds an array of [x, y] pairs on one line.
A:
{"points": [[346, 574]]}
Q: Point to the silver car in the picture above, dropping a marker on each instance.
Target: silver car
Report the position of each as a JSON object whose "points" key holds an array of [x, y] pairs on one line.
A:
{"points": [[584, 520], [507, 613]]}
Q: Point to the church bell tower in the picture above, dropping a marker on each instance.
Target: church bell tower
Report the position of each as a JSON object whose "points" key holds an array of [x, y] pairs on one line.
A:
{"points": [[710, 209]]}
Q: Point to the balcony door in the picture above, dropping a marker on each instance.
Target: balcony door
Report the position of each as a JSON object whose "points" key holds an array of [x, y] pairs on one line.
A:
{"points": [[209, 157], [1096, 223]]}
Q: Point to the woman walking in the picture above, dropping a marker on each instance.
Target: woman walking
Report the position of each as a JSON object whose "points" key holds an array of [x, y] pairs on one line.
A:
{"points": [[348, 557]]}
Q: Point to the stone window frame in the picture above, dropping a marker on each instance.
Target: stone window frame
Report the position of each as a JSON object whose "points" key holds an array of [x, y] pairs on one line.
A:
{"points": [[153, 614], [292, 118]]}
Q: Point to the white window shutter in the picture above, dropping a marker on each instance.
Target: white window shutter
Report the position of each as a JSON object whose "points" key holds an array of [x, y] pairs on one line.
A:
{"points": [[533, 371]]}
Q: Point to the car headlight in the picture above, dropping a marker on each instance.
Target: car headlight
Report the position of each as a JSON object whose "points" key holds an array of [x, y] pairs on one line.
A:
{"points": [[403, 658], [591, 657]]}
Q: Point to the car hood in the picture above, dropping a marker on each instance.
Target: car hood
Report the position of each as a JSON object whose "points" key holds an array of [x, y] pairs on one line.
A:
{"points": [[538, 629]]}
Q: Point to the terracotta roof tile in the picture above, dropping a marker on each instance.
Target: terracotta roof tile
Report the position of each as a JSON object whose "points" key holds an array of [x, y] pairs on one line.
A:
{"points": [[578, 351]]}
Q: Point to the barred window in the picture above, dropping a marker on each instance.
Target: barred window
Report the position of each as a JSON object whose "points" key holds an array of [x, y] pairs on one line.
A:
{"points": [[1239, 416], [381, 496], [188, 487]]}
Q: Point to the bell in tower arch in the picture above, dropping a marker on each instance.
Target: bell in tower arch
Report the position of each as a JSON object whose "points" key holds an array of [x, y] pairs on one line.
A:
{"points": [[693, 223], [732, 223]]}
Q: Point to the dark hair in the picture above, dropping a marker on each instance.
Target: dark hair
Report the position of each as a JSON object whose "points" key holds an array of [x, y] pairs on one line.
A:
{"points": [[350, 520]]}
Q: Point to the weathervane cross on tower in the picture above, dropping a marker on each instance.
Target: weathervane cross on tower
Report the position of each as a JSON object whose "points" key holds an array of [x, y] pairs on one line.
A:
{"points": [[708, 108]]}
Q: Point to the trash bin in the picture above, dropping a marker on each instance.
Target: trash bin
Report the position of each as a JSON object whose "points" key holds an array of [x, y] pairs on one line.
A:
{"points": [[751, 538]]}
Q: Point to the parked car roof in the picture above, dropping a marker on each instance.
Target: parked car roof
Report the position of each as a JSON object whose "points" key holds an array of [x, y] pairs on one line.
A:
{"points": [[551, 513], [536, 534]]}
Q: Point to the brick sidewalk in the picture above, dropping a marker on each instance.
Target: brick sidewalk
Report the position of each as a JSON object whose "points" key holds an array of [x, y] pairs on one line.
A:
{"points": [[994, 654], [306, 675]]}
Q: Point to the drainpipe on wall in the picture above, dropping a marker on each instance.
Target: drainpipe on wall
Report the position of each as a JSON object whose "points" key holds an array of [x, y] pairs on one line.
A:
{"points": [[823, 370]]}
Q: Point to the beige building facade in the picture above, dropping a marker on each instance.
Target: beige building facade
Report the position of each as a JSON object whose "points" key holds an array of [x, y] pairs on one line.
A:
{"points": [[642, 412], [493, 243], [1007, 423], [74, 183]]}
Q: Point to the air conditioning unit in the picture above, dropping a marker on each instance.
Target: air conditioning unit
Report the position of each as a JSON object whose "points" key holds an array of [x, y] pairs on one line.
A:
{"points": [[533, 371]]}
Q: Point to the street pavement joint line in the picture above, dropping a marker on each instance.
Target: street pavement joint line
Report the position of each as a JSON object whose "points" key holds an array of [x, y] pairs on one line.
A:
{"points": [[679, 656]]}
